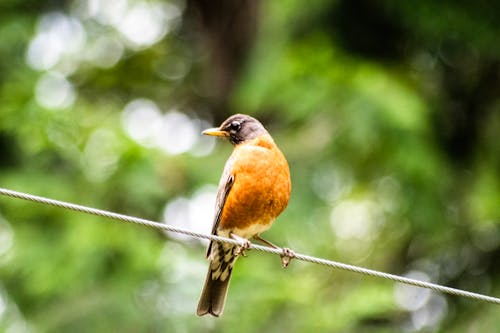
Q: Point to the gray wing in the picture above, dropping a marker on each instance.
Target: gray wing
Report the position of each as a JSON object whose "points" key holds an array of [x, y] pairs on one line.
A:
{"points": [[225, 185]]}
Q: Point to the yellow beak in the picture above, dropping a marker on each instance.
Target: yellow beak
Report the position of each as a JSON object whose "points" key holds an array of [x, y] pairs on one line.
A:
{"points": [[215, 132]]}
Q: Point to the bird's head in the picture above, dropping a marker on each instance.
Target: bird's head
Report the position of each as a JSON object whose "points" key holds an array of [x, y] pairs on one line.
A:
{"points": [[237, 129]]}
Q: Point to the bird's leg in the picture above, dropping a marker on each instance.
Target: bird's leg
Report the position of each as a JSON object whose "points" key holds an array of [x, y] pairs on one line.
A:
{"points": [[262, 240], [287, 254], [245, 244]]}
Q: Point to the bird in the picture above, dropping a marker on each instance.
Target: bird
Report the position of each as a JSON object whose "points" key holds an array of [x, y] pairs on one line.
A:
{"points": [[253, 190]]}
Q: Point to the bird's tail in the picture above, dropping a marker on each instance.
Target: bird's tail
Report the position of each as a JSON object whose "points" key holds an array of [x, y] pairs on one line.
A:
{"points": [[213, 296]]}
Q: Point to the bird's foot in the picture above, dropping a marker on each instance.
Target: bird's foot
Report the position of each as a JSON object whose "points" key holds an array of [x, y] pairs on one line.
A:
{"points": [[241, 250], [245, 244], [286, 256]]}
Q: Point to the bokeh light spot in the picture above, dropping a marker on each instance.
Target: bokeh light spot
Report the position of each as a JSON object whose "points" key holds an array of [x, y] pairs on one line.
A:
{"points": [[57, 35], [146, 23], [431, 314], [412, 298], [173, 132], [356, 219], [107, 12], [178, 133], [142, 120], [54, 91], [194, 214]]}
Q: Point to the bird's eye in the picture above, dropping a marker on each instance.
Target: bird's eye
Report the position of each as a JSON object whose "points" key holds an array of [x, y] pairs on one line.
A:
{"points": [[235, 126]]}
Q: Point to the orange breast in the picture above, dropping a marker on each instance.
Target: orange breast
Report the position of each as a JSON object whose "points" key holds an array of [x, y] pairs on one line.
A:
{"points": [[261, 188]]}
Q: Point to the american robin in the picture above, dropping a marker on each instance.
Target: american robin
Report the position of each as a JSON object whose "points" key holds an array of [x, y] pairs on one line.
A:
{"points": [[253, 190]]}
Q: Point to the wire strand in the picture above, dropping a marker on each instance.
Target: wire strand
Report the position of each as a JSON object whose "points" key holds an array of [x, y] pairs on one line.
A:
{"points": [[298, 256]]}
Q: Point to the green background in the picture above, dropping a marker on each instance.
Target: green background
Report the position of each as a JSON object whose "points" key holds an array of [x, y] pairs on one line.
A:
{"points": [[388, 113]]}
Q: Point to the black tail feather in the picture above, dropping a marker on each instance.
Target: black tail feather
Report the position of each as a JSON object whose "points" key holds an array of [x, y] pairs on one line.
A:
{"points": [[213, 296]]}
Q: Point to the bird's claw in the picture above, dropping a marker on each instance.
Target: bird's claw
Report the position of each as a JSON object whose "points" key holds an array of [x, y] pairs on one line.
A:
{"points": [[286, 256], [241, 250]]}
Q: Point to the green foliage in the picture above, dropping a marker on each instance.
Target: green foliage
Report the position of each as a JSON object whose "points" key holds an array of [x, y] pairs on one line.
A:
{"points": [[388, 115]]}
